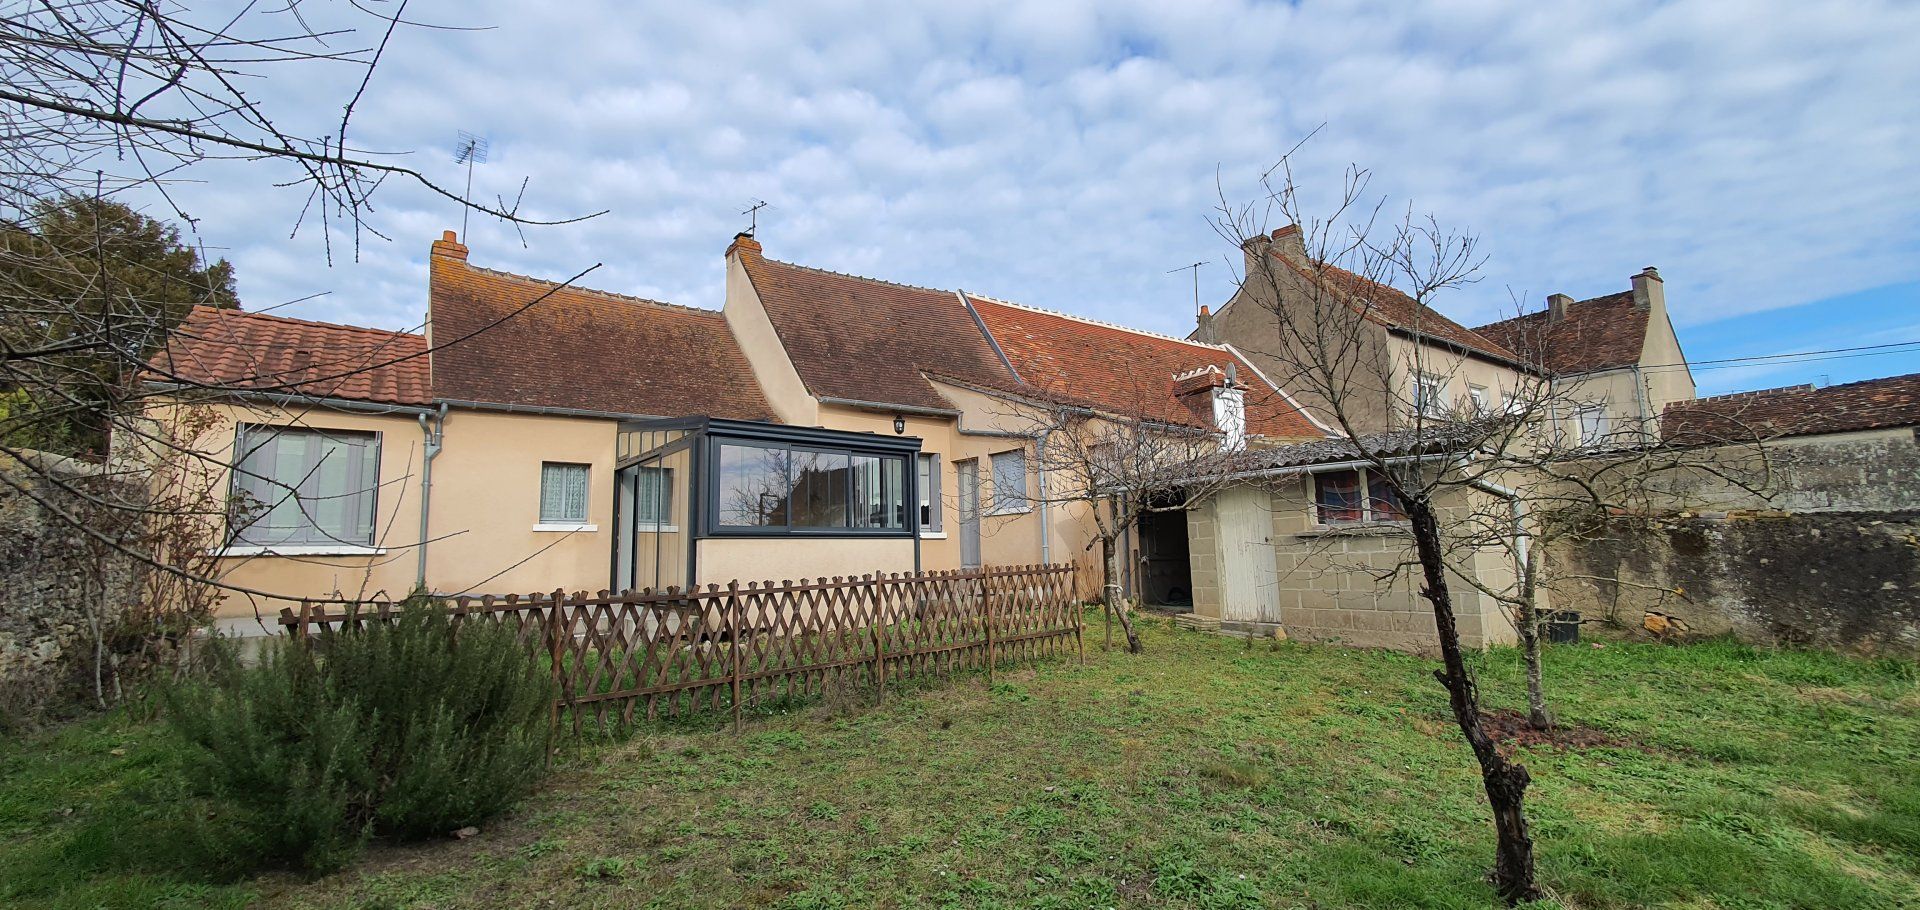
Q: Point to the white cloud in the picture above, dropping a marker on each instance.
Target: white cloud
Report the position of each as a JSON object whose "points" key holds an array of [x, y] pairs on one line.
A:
{"points": [[1064, 154]]}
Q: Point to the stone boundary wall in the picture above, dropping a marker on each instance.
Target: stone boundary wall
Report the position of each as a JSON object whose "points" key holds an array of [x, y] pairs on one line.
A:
{"points": [[1844, 580], [56, 584]]}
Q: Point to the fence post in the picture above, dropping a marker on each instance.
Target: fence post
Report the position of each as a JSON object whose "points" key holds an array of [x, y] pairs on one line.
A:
{"points": [[879, 640], [300, 628], [556, 649], [986, 614], [734, 625]]}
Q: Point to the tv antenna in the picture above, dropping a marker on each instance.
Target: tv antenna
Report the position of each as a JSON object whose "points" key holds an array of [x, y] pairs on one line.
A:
{"points": [[753, 215], [1195, 269], [472, 150]]}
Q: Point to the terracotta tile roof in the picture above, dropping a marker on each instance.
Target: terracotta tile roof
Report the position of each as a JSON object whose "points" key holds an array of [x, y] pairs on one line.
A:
{"points": [[863, 339], [581, 349], [1801, 410], [1601, 333], [230, 349], [1127, 370], [1390, 307]]}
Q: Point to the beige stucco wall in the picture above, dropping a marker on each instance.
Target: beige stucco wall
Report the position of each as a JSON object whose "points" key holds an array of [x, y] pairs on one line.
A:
{"points": [[747, 318], [486, 501], [744, 559], [273, 582]]}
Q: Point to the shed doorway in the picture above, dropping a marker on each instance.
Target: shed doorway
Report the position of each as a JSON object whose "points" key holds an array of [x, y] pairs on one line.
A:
{"points": [[1166, 570]]}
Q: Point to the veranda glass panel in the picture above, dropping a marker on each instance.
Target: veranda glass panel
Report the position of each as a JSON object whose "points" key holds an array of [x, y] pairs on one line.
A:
{"points": [[819, 489], [879, 493], [753, 487]]}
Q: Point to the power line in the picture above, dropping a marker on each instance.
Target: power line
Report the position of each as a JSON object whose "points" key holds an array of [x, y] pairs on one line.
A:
{"points": [[1867, 350]]}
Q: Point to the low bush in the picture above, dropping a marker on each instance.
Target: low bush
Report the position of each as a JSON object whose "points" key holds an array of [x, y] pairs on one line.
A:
{"points": [[410, 728]]}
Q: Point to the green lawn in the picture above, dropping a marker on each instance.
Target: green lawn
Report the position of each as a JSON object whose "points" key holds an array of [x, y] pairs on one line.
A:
{"points": [[1209, 773]]}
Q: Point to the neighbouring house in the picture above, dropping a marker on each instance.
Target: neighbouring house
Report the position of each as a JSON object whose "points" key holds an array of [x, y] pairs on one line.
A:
{"points": [[1826, 552], [1614, 359], [538, 436], [1427, 362]]}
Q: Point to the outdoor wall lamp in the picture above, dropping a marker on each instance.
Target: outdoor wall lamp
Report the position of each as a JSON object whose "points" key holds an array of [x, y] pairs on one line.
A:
{"points": [[899, 425]]}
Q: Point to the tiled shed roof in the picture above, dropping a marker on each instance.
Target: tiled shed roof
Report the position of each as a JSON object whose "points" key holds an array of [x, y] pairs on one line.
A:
{"points": [[1393, 308], [862, 339], [1801, 410], [509, 339], [233, 350], [1128, 371], [1602, 333]]}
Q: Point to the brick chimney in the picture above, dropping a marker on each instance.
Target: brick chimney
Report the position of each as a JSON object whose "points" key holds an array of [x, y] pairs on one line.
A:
{"points": [[1213, 393], [1649, 292], [1203, 329], [1289, 242], [743, 242], [449, 245], [1557, 307]]}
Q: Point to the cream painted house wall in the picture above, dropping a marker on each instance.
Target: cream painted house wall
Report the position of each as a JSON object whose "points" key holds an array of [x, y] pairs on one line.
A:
{"points": [[485, 504], [272, 582], [747, 319]]}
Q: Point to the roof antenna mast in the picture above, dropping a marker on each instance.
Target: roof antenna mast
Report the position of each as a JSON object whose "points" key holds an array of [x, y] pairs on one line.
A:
{"points": [[470, 151], [753, 215], [1195, 269]]}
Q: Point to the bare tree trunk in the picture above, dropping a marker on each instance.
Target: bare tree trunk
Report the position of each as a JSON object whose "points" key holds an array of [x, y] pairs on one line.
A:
{"points": [[1505, 782], [1116, 605], [1538, 717]]}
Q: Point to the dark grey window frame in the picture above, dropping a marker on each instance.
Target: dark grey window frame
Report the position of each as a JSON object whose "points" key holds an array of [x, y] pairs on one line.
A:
{"points": [[710, 506]]}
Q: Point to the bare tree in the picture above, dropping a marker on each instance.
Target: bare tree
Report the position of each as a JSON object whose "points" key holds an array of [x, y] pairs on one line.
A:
{"points": [[113, 102], [1367, 358]]}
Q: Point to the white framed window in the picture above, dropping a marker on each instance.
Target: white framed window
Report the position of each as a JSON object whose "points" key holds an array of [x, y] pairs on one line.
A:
{"points": [[653, 498], [928, 484], [1482, 400], [563, 494], [1430, 395], [1354, 497], [1009, 482], [1593, 424], [294, 486]]}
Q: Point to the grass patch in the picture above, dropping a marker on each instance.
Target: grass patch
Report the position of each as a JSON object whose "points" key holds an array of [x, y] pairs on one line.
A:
{"points": [[1202, 774]]}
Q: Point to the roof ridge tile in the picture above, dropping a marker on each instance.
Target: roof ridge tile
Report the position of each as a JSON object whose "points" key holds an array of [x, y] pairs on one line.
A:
{"points": [[597, 292], [1099, 322]]}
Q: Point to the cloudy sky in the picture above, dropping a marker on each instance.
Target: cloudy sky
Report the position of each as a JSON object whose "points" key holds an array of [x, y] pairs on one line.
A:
{"points": [[1067, 154]]}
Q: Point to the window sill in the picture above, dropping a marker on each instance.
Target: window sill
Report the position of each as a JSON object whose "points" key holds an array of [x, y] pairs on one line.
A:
{"points": [[999, 512], [933, 535], [565, 527], [298, 549], [1358, 529], [647, 528]]}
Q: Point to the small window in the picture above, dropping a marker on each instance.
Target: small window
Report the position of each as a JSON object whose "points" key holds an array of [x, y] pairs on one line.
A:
{"points": [[1337, 497], [304, 487], [929, 487], [563, 493], [1383, 502], [653, 497], [1430, 395], [1354, 497], [1010, 481], [1482, 402], [1593, 425]]}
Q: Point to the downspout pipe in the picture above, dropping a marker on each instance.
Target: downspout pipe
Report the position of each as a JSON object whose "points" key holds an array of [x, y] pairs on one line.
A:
{"points": [[433, 434], [1046, 501], [1522, 539]]}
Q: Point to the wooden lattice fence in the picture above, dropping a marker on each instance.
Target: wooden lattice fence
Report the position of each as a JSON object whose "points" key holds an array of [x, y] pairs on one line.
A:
{"points": [[616, 656]]}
